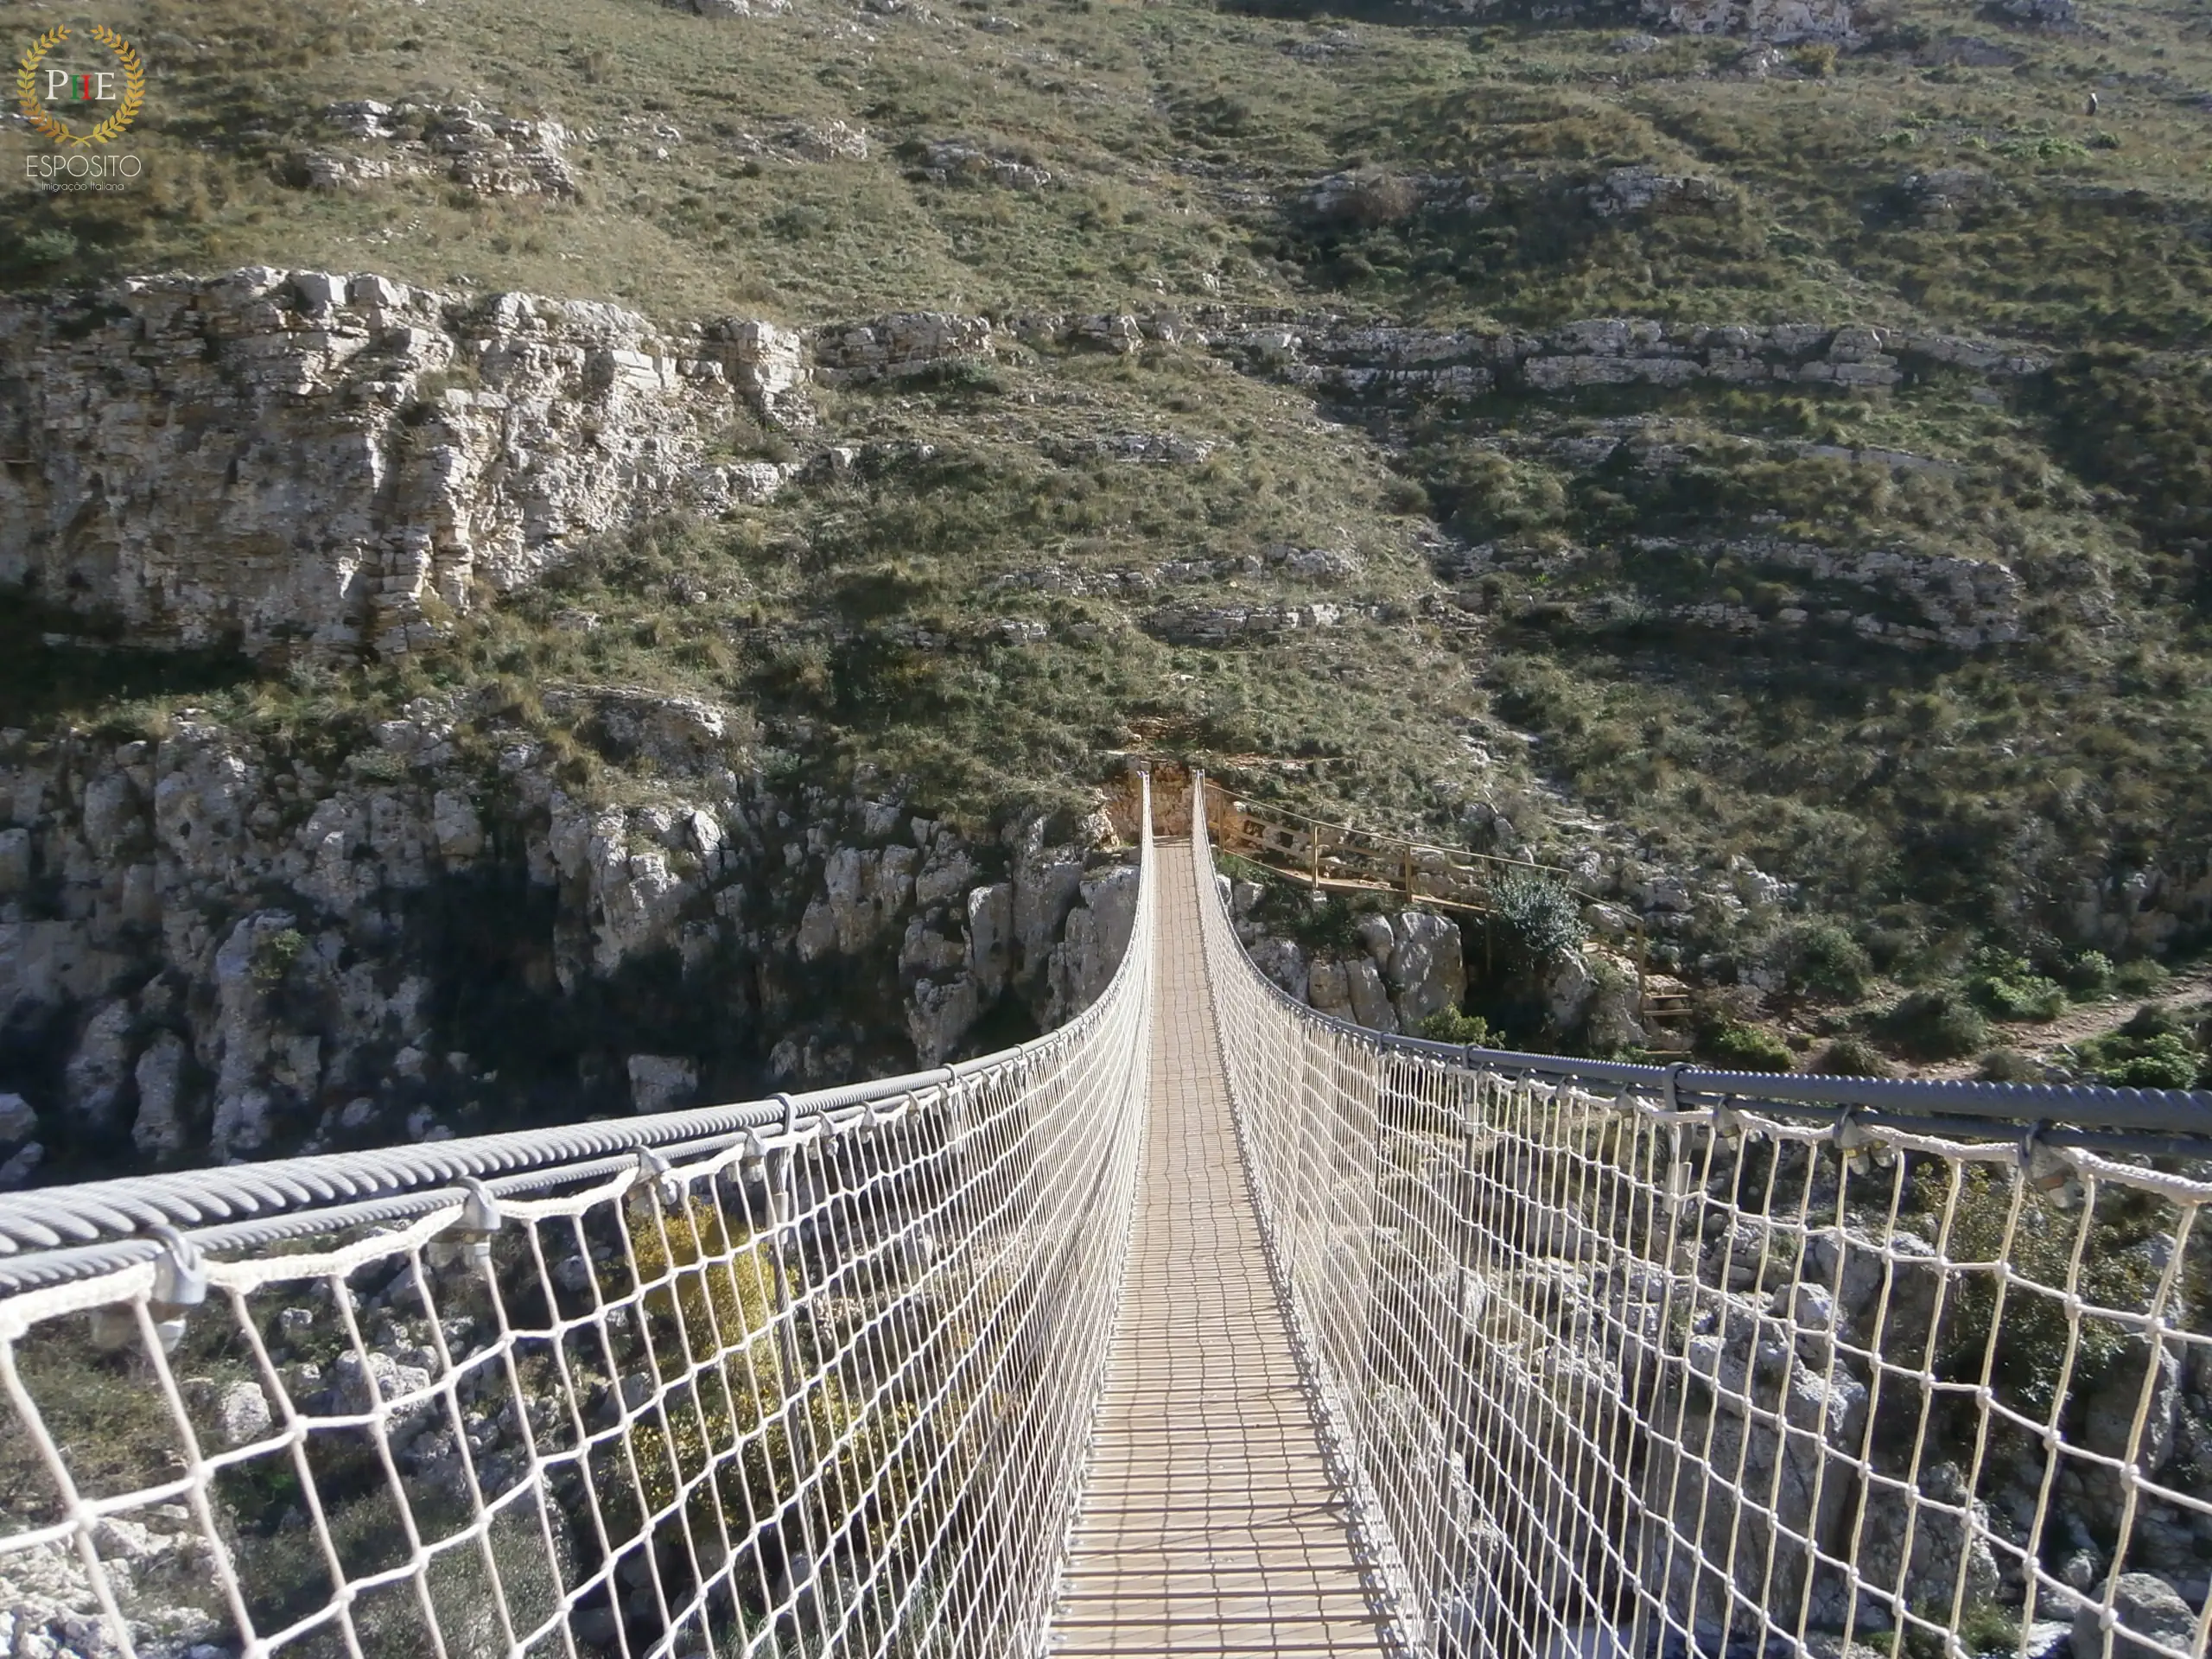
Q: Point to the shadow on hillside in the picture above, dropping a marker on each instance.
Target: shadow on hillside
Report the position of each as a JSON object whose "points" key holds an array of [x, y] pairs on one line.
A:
{"points": [[55, 663]]}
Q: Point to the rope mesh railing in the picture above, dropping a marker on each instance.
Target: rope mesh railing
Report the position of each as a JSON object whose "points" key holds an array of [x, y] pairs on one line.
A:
{"points": [[809, 1377], [1624, 1366]]}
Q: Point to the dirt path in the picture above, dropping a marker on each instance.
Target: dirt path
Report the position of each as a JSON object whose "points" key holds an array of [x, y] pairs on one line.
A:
{"points": [[2037, 1039]]}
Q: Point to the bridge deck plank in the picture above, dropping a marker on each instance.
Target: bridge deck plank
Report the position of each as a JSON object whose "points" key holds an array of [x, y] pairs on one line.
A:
{"points": [[1211, 1523]]}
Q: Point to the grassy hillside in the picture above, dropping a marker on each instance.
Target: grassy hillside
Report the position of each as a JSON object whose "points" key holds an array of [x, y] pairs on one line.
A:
{"points": [[1514, 570]]}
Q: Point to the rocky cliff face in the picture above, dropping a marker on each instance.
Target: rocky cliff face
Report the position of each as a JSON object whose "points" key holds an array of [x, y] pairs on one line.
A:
{"points": [[305, 462], [214, 948], [299, 460]]}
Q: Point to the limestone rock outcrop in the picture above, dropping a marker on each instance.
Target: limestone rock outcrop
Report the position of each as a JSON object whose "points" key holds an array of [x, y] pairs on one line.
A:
{"points": [[1406, 966], [1899, 596], [1765, 20], [485, 152], [225, 947], [302, 460]]}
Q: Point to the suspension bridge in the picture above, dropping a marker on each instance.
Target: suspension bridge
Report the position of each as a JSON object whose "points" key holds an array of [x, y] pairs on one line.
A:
{"points": [[1202, 1324]]}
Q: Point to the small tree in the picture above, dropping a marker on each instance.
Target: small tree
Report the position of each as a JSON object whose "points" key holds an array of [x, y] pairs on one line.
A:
{"points": [[1539, 919]]}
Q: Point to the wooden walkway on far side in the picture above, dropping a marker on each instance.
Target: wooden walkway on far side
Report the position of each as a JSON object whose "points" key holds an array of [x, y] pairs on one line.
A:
{"points": [[1210, 1521]]}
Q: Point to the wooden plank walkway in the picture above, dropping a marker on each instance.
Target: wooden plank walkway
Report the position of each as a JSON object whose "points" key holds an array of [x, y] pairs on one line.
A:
{"points": [[1210, 1523]]}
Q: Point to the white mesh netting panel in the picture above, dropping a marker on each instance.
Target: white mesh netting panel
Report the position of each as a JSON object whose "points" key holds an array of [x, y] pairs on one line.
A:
{"points": [[821, 1388], [1618, 1380]]}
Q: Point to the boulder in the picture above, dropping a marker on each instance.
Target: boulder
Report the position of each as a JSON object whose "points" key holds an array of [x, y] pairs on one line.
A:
{"points": [[1371, 1003], [352, 1375], [939, 1014], [1762, 19], [15, 860], [2143, 1604], [242, 1413], [1327, 991], [1570, 986], [454, 823], [663, 1082], [159, 1129], [1095, 938], [101, 1065], [1378, 936], [1950, 1531], [1283, 962], [2059, 17], [1046, 886], [990, 936], [1426, 967]]}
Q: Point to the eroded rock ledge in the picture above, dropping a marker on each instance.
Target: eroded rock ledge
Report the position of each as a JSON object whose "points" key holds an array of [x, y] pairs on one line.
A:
{"points": [[310, 463], [218, 946], [299, 460]]}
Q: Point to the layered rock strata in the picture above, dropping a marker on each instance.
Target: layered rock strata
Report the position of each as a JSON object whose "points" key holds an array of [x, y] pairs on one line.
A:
{"points": [[215, 947], [295, 460]]}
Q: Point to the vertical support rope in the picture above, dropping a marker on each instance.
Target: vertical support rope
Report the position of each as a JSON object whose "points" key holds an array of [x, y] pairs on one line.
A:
{"points": [[821, 1385], [1644, 1371]]}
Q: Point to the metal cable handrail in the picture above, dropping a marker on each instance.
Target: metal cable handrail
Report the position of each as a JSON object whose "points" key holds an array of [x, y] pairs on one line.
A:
{"points": [[2182, 1117], [1633, 1359], [392, 1182], [804, 1376]]}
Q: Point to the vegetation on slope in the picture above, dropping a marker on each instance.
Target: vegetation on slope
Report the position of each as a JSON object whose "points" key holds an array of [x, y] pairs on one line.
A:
{"points": [[1940, 175]]}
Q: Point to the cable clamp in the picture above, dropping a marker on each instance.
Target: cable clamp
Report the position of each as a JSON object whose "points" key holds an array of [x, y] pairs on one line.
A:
{"points": [[468, 1237], [2047, 1170], [667, 1185], [179, 1271], [480, 1212], [1672, 1084], [180, 1284], [1727, 1121], [1862, 1151]]}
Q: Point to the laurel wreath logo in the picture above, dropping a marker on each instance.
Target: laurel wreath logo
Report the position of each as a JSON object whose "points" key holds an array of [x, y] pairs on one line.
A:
{"points": [[51, 126]]}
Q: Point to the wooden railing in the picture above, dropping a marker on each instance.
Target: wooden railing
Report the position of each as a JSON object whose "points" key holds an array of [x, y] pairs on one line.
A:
{"points": [[1343, 858]]}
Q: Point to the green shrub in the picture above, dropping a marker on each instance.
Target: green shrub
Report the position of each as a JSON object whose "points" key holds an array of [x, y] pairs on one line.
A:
{"points": [[1936, 1025], [1851, 1057], [1456, 1026], [1540, 918], [2089, 974], [2152, 1020], [2008, 1065], [2165, 1061], [2141, 977], [2004, 985], [1749, 1048], [2033, 1339], [1821, 959], [48, 247], [274, 954], [2153, 1050], [1987, 1627]]}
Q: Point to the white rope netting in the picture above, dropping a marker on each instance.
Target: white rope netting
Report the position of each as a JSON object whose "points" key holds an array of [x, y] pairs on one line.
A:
{"points": [[1615, 1379], [819, 1387], [1612, 1371]]}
